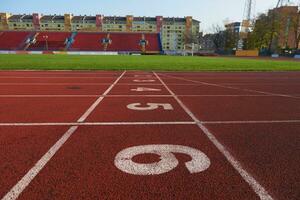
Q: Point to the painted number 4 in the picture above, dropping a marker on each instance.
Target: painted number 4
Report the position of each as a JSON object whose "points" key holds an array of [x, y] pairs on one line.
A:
{"points": [[149, 106], [123, 160]]}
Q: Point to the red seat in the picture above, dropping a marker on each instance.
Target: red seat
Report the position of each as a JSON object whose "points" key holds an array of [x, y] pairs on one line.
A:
{"points": [[56, 41], [119, 42], [153, 42], [88, 42], [13, 40]]}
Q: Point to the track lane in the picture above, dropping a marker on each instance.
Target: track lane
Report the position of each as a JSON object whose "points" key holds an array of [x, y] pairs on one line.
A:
{"points": [[17, 189], [89, 172], [255, 185]]}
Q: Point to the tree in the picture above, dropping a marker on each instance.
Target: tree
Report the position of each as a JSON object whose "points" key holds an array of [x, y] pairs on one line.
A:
{"points": [[218, 37], [263, 34], [232, 39]]}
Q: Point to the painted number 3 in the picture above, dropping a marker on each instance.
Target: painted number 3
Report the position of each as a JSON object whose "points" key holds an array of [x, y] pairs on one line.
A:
{"points": [[123, 160]]}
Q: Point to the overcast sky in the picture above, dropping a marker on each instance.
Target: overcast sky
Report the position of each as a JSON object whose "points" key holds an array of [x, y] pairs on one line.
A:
{"points": [[207, 11]]}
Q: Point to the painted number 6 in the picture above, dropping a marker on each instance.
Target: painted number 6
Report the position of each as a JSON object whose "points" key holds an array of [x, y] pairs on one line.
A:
{"points": [[123, 160], [150, 106]]}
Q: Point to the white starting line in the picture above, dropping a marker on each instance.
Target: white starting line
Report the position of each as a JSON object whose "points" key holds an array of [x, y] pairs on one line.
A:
{"points": [[124, 95], [147, 123]]}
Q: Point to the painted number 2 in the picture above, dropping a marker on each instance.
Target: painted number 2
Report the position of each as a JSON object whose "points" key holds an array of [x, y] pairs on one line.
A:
{"points": [[150, 106], [123, 160]]}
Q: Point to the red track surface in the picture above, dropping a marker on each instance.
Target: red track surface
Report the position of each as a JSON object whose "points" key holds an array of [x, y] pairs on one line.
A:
{"points": [[249, 124], [20, 148]]}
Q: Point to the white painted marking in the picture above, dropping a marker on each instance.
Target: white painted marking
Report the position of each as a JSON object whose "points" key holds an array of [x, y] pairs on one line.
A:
{"points": [[235, 88], [145, 89], [123, 160], [147, 123], [99, 123], [150, 106], [139, 95], [129, 95], [31, 174], [144, 81], [88, 112], [255, 185], [252, 122], [143, 76], [42, 84], [56, 77], [108, 83], [45, 96]]}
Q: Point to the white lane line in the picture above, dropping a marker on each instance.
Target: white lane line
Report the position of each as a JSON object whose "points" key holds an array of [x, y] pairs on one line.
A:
{"points": [[63, 96], [261, 84], [67, 83], [33, 172], [190, 95], [227, 95], [57, 72], [43, 96], [55, 77], [179, 84], [252, 122], [235, 88], [117, 95], [88, 112], [99, 123], [254, 184], [147, 123], [53, 84]]}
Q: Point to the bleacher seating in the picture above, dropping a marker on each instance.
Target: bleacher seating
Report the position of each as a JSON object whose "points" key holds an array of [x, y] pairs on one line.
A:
{"points": [[119, 42], [51, 41], [13, 40], [88, 42], [154, 42], [125, 42], [81, 41]]}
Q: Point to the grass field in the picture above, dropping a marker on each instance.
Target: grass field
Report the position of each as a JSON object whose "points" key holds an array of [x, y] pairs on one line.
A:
{"points": [[166, 63]]}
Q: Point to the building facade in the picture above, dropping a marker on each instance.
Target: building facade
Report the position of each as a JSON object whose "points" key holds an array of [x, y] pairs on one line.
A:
{"points": [[175, 32], [287, 21]]}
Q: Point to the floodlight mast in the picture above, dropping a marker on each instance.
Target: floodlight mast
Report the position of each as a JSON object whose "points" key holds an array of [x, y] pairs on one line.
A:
{"points": [[249, 9], [247, 22]]}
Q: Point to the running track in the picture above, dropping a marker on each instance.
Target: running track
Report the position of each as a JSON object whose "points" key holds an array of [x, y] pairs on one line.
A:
{"points": [[149, 135]]}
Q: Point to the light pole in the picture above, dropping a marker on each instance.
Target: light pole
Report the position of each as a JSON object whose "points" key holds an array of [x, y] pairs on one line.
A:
{"points": [[46, 39]]}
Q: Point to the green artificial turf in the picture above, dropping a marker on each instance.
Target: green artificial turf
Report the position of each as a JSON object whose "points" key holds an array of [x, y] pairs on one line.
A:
{"points": [[165, 63]]}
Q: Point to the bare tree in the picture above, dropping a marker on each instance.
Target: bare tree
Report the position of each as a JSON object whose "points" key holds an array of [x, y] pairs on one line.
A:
{"points": [[219, 38]]}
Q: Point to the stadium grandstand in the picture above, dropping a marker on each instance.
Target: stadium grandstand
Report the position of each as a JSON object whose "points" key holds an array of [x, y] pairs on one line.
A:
{"points": [[149, 35]]}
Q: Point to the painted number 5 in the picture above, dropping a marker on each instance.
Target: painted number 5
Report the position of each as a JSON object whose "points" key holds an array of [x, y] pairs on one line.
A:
{"points": [[123, 160], [150, 106]]}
